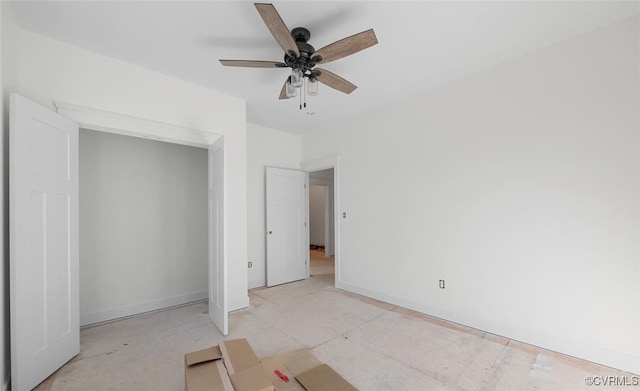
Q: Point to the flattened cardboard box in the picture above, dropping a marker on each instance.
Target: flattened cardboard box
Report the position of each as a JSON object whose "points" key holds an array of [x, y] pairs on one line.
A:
{"points": [[204, 371], [324, 378], [230, 366], [242, 371], [309, 373], [243, 366]]}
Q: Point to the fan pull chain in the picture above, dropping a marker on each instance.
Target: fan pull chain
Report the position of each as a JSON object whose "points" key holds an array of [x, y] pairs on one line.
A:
{"points": [[302, 92]]}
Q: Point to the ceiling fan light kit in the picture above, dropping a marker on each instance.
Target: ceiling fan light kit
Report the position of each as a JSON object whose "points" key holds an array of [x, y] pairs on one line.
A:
{"points": [[312, 86], [302, 58], [291, 91], [297, 77]]}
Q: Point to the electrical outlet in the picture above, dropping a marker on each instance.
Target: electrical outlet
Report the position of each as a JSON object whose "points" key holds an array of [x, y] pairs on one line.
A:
{"points": [[250, 264], [344, 215], [441, 284]]}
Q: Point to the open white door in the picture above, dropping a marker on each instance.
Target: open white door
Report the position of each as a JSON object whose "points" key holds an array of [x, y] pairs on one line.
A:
{"points": [[217, 260], [45, 321], [287, 229]]}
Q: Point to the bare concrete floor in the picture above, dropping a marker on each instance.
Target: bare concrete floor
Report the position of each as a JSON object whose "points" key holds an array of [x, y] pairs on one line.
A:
{"points": [[375, 346]]}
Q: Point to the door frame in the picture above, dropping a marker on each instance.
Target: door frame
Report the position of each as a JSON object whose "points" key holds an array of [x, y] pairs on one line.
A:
{"points": [[324, 164], [105, 121], [217, 257]]}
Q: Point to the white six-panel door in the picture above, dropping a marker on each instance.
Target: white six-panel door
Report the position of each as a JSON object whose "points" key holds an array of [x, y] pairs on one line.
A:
{"points": [[45, 327], [217, 263], [287, 196]]}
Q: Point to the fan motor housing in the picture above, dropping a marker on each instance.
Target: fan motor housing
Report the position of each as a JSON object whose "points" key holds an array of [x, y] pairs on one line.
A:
{"points": [[301, 35]]}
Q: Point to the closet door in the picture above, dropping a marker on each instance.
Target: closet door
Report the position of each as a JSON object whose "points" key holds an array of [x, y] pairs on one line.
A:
{"points": [[45, 321], [218, 311]]}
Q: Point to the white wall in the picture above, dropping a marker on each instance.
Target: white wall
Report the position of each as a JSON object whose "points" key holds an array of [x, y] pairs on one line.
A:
{"points": [[265, 147], [45, 70], [316, 214], [8, 79], [149, 236], [52, 70], [518, 185]]}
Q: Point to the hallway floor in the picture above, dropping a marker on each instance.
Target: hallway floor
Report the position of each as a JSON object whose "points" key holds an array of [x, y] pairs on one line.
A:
{"points": [[321, 264], [375, 346]]}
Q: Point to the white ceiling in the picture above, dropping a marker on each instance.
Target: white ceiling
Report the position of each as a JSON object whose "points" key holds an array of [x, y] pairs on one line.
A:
{"points": [[421, 44]]}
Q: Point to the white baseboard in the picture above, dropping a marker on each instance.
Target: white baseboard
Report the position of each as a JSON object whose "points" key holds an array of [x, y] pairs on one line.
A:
{"points": [[618, 360], [139, 308]]}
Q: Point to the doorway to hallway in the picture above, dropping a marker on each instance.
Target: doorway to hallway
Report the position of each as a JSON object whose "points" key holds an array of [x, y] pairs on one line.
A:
{"points": [[321, 222]]}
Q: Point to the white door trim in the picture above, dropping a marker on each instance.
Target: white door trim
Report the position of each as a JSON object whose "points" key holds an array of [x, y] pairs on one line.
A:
{"points": [[106, 121], [323, 164]]}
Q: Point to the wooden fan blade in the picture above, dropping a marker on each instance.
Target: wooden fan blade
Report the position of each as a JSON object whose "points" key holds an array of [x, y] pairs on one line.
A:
{"points": [[346, 46], [283, 92], [253, 64], [335, 81], [278, 29]]}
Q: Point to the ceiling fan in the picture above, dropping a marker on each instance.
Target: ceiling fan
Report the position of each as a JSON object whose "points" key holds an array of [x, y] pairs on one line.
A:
{"points": [[302, 58]]}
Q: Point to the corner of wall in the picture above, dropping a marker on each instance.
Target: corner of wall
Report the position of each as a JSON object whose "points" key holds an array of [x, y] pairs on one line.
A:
{"points": [[239, 304], [256, 283]]}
